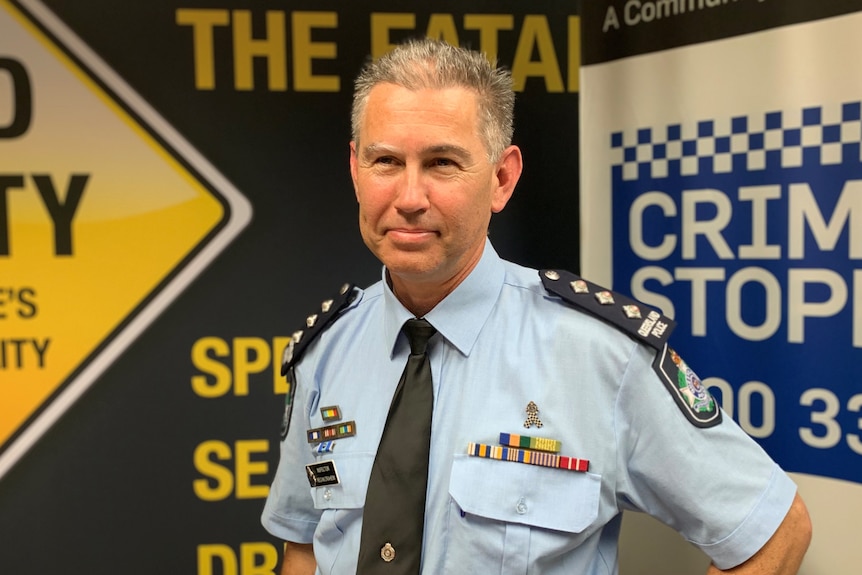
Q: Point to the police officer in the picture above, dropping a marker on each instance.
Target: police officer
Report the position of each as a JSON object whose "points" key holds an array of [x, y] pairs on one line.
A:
{"points": [[556, 404]]}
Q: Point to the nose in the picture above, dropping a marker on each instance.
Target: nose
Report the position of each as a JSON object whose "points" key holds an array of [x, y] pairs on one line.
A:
{"points": [[412, 193]]}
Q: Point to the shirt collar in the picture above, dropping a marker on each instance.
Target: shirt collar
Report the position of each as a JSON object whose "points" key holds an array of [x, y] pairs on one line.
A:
{"points": [[460, 316]]}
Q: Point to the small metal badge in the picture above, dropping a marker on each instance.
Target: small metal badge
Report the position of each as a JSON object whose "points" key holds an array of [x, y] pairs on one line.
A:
{"points": [[322, 473], [325, 447], [311, 320], [579, 286], [330, 413], [287, 354], [605, 297], [387, 552], [632, 312], [326, 306], [532, 416], [552, 275]]}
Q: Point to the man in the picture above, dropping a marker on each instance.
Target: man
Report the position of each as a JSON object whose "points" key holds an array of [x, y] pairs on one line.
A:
{"points": [[541, 360]]}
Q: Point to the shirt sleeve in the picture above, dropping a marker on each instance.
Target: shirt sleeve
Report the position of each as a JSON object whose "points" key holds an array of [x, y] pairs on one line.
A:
{"points": [[289, 511], [715, 486]]}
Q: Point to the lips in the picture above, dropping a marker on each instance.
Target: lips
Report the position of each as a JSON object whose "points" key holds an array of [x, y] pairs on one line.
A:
{"points": [[410, 236]]}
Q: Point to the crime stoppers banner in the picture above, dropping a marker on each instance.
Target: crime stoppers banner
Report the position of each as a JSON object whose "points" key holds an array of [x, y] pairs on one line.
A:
{"points": [[722, 154]]}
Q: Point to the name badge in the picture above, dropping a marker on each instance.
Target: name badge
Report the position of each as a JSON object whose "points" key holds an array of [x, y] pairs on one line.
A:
{"points": [[322, 473]]}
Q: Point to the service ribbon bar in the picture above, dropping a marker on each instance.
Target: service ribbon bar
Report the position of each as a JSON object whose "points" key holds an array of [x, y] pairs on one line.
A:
{"points": [[540, 458], [337, 431], [527, 442]]}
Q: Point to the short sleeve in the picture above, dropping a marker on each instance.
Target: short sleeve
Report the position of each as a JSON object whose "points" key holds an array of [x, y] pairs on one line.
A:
{"points": [[715, 485], [289, 512]]}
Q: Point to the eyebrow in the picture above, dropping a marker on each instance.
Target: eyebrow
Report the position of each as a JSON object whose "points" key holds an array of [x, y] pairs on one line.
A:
{"points": [[440, 149], [449, 149]]}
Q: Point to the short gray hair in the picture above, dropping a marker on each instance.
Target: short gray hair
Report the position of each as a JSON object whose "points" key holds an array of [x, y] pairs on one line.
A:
{"points": [[428, 63]]}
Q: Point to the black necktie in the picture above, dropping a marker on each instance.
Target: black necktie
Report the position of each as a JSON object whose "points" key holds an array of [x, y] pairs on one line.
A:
{"points": [[394, 514]]}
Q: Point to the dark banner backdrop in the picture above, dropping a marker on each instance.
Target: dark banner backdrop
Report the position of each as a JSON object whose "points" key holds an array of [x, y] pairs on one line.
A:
{"points": [[163, 463], [633, 27]]}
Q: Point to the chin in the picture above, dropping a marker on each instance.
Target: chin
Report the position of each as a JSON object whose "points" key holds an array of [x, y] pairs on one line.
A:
{"points": [[410, 269]]}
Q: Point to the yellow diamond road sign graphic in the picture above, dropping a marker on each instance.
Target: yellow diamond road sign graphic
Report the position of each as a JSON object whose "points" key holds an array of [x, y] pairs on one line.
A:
{"points": [[106, 214]]}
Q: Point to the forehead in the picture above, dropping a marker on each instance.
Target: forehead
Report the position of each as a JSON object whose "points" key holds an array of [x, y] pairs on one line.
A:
{"points": [[393, 108]]}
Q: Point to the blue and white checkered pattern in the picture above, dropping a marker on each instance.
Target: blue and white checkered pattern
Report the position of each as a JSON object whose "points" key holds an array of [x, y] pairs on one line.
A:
{"points": [[819, 135]]}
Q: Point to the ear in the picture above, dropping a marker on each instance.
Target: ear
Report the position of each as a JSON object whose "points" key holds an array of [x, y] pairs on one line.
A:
{"points": [[509, 168], [353, 168]]}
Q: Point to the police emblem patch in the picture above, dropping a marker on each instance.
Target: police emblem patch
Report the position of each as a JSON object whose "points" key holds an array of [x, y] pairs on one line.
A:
{"points": [[687, 389], [288, 406]]}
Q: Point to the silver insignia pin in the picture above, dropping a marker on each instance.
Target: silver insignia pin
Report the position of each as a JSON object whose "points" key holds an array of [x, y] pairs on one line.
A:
{"points": [[532, 416], [632, 311], [605, 298]]}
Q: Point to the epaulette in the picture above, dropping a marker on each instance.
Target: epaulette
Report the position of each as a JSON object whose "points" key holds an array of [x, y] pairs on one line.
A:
{"points": [[630, 316], [648, 326], [314, 326]]}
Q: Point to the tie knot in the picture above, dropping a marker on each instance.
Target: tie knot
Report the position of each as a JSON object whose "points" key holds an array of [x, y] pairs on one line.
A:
{"points": [[418, 332]]}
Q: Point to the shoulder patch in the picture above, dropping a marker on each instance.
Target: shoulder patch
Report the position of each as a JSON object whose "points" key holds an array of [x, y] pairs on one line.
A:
{"points": [[315, 324], [687, 390], [630, 316]]}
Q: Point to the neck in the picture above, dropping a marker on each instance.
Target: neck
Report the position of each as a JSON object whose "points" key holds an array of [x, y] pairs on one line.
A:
{"points": [[420, 297], [421, 294]]}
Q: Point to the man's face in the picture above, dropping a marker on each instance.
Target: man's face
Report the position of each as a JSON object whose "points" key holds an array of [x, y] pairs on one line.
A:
{"points": [[425, 187]]}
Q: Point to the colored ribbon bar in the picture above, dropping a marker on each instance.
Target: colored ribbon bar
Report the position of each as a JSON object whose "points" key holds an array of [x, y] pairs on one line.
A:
{"points": [[337, 431], [527, 442], [540, 458]]}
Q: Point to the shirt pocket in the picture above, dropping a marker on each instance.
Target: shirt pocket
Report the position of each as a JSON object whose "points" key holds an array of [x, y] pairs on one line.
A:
{"points": [[510, 514]]}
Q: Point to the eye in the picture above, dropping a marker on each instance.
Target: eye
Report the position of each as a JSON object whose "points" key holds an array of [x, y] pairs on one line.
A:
{"points": [[443, 163], [385, 162]]}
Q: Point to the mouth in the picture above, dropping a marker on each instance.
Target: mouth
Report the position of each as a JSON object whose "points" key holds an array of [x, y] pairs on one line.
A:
{"points": [[410, 236]]}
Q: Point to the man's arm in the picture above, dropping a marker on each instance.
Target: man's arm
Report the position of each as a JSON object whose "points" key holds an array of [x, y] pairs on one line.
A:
{"points": [[783, 553], [298, 559]]}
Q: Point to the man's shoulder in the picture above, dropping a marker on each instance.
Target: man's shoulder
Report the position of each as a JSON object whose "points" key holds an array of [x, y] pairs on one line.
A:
{"points": [[636, 319], [338, 306], [646, 325]]}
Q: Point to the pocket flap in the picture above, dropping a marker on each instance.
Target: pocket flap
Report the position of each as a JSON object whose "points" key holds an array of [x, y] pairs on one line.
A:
{"points": [[518, 493]]}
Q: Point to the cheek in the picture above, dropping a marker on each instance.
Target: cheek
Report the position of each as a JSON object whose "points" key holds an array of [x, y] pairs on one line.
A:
{"points": [[477, 212], [371, 208]]}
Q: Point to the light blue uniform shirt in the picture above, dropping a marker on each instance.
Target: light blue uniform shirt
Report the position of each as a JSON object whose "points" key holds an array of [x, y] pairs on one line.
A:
{"points": [[504, 341]]}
